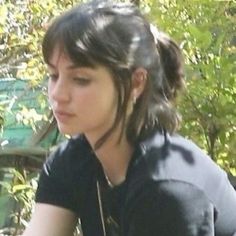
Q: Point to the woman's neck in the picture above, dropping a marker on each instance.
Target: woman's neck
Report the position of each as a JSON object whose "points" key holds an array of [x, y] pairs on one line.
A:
{"points": [[114, 157]]}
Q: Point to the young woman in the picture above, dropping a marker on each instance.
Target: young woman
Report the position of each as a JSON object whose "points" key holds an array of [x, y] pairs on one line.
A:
{"points": [[113, 81]]}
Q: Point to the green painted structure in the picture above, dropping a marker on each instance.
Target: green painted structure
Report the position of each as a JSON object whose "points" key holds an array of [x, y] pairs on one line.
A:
{"points": [[14, 95]]}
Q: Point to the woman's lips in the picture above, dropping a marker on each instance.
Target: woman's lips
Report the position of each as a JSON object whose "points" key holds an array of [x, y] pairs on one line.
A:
{"points": [[63, 116]]}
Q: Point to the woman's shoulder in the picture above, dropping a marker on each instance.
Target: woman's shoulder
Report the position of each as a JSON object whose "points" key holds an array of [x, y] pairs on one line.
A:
{"points": [[175, 153], [165, 147], [166, 157], [70, 154], [65, 174]]}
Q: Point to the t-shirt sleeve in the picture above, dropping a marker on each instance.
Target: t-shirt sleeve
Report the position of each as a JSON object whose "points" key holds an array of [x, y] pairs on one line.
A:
{"points": [[56, 185]]}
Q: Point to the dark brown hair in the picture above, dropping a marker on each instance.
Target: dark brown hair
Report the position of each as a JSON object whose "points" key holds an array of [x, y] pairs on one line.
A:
{"points": [[117, 36]]}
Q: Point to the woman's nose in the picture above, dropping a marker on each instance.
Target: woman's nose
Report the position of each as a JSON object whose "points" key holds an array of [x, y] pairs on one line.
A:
{"points": [[60, 91]]}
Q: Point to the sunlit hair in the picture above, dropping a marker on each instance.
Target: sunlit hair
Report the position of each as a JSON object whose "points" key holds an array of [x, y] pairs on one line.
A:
{"points": [[117, 36]]}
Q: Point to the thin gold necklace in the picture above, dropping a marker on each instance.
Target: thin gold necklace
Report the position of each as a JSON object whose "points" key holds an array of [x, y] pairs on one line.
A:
{"points": [[108, 181]]}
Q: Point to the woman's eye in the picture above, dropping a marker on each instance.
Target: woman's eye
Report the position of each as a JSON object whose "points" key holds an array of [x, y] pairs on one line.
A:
{"points": [[81, 81]]}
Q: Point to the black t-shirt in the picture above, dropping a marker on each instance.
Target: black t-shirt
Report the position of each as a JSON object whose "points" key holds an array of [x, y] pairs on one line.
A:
{"points": [[171, 189]]}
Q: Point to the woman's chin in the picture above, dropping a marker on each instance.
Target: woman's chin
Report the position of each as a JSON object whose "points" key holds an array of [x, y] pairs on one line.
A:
{"points": [[69, 132]]}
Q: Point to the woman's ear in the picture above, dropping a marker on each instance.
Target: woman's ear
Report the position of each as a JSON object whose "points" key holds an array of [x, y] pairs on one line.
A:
{"points": [[139, 79]]}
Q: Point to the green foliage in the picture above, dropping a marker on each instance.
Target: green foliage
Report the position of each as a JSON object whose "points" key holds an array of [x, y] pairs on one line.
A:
{"points": [[16, 199]]}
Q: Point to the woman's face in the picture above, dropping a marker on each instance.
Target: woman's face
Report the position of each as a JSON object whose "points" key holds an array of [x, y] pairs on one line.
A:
{"points": [[83, 99]]}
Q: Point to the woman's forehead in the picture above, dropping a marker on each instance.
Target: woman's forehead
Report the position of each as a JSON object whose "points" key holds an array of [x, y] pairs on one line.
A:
{"points": [[57, 55]]}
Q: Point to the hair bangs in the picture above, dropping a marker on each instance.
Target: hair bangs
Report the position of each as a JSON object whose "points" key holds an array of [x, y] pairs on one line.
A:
{"points": [[69, 38]]}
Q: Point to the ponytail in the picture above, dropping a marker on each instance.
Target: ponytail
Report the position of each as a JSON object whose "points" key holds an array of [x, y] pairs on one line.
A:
{"points": [[172, 63]]}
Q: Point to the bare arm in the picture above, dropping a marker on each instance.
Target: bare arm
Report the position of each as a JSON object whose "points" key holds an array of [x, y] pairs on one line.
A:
{"points": [[49, 220]]}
